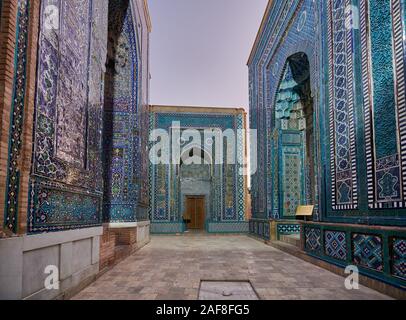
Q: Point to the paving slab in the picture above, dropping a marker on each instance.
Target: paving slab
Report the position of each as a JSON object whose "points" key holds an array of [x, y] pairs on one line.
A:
{"points": [[172, 268]]}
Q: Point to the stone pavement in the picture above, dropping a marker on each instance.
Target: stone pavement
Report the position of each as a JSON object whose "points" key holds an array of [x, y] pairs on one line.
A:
{"points": [[171, 268]]}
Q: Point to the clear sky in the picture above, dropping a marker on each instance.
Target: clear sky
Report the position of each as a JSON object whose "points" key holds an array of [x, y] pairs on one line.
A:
{"points": [[199, 50]]}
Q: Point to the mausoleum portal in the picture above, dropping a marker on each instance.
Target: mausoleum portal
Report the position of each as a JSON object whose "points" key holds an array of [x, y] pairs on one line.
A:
{"points": [[204, 168]]}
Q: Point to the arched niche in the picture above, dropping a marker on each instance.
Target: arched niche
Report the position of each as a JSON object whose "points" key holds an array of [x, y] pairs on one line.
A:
{"points": [[293, 148], [121, 134]]}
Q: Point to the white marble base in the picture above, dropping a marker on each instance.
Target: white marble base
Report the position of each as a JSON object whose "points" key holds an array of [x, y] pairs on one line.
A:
{"points": [[23, 261], [143, 233]]}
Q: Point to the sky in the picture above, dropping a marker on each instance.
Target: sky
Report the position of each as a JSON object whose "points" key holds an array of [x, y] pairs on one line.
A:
{"points": [[199, 50]]}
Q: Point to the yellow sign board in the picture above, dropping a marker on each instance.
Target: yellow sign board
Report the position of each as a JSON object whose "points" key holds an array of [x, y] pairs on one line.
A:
{"points": [[304, 211]]}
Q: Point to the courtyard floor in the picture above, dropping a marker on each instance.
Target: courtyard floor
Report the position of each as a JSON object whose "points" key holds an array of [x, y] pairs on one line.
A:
{"points": [[172, 267]]}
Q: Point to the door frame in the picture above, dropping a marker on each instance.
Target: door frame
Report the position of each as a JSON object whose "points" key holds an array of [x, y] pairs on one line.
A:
{"points": [[203, 197]]}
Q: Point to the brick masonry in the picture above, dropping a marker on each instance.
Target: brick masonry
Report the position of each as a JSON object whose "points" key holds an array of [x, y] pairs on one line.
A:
{"points": [[7, 55], [117, 244], [7, 40], [107, 245]]}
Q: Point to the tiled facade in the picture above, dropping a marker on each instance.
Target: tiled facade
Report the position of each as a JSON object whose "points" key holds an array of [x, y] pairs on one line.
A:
{"points": [[56, 160], [349, 58], [368, 251], [68, 166], [336, 245], [399, 257]]}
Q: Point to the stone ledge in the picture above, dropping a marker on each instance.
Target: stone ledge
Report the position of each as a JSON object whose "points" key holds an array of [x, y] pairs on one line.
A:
{"points": [[123, 225], [38, 241], [353, 225], [75, 253], [68, 287], [364, 280]]}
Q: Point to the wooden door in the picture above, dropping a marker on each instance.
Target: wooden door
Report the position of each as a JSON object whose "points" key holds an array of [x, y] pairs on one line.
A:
{"points": [[195, 212]]}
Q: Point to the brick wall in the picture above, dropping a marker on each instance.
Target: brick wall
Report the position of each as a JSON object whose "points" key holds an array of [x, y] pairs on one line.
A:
{"points": [[7, 40], [126, 236], [116, 244], [7, 56], [107, 245]]}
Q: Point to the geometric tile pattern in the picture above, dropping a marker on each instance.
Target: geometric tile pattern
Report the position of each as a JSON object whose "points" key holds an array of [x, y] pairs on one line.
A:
{"points": [[288, 130], [260, 106], [227, 227], [342, 135], [260, 228], [71, 97], [69, 128], [228, 185], [158, 228], [121, 141], [382, 38], [380, 55], [368, 251], [51, 208], [335, 244], [240, 160], [68, 117], [313, 239], [292, 162], [288, 229], [399, 258]]}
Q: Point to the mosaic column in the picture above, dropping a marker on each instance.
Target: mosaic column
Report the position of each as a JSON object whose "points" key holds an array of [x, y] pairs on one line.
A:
{"points": [[15, 142]]}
